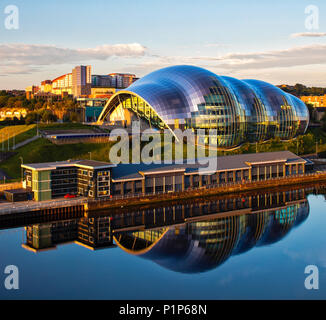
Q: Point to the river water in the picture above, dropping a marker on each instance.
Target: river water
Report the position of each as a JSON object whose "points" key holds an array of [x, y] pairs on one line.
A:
{"points": [[250, 246]]}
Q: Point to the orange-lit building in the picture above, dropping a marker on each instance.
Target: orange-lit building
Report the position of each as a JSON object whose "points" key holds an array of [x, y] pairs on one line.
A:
{"points": [[62, 84], [46, 86], [80, 83], [102, 93], [31, 91], [316, 101], [9, 113]]}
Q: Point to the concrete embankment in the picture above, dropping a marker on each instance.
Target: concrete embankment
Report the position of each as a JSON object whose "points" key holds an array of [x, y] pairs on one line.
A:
{"points": [[83, 206], [204, 192]]}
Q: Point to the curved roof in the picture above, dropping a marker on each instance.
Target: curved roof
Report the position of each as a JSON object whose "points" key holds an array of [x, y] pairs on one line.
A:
{"points": [[241, 110], [176, 91]]}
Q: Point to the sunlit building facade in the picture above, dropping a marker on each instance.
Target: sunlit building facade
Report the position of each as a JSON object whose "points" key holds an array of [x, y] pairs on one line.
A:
{"points": [[62, 85], [316, 101], [81, 81], [189, 97]]}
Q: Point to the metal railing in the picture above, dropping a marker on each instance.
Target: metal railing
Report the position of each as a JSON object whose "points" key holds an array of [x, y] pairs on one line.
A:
{"points": [[27, 206], [205, 187], [31, 205]]}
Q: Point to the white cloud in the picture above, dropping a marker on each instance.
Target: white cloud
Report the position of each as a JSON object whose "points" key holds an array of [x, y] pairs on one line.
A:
{"points": [[309, 34], [274, 59], [297, 56], [25, 57]]}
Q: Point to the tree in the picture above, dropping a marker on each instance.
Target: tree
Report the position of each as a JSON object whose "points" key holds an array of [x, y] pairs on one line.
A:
{"points": [[31, 118], [312, 112], [3, 101], [48, 116], [18, 104], [323, 122]]}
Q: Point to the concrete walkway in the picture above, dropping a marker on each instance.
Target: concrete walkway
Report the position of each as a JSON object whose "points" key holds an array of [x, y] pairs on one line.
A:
{"points": [[26, 206]]}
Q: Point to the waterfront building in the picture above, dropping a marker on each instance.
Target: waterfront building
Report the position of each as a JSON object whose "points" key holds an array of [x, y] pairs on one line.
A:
{"points": [[77, 177], [99, 179], [189, 97], [128, 179]]}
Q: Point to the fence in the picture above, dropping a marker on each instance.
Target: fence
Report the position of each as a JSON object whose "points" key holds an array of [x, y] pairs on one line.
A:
{"points": [[246, 184]]}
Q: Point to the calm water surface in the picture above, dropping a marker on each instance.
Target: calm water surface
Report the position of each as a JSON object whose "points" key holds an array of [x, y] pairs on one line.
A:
{"points": [[255, 247]]}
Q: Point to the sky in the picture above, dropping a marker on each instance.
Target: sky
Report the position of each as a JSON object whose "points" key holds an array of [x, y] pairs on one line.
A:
{"points": [[266, 40]]}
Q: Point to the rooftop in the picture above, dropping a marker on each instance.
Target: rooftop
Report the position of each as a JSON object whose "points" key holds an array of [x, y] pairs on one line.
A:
{"points": [[137, 171], [224, 163], [91, 164]]}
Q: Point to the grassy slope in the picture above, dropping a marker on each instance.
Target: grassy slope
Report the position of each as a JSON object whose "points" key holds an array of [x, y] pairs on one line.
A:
{"points": [[42, 150], [20, 132]]}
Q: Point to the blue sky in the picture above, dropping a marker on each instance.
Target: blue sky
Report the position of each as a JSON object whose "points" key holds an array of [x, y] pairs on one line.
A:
{"points": [[244, 39]]}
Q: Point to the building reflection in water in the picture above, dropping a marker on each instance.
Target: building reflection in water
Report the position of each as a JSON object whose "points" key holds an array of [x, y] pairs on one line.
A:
{"points": [[190, 237]]}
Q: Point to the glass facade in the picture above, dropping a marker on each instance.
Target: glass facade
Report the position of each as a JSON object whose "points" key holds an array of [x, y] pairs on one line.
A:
{"points": [[189, 97]]}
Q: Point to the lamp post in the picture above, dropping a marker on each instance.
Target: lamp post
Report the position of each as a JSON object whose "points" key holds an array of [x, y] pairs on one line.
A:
{"points": [[90, 155]]}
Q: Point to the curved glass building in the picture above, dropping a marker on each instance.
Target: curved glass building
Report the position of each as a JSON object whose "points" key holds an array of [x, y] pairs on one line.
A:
{"points": [[189, 97]]}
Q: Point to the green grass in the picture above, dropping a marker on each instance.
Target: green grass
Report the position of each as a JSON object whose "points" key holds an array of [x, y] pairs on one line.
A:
{"points": [[42, 150], [20, 132]]}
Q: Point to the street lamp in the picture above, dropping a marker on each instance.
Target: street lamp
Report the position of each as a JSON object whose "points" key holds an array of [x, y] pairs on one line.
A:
{"points": [[90, 155]]}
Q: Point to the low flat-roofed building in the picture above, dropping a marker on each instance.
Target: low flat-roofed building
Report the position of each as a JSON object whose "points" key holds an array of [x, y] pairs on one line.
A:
{"points": [[76, 177], [16, 195], [97, 179], [151, 179]]}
